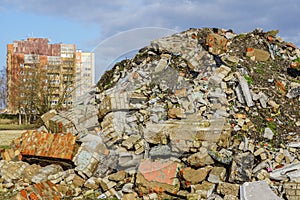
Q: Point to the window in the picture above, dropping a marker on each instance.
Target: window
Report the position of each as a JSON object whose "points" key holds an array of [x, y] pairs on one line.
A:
{"points": [[54, 102], [68, 102]]}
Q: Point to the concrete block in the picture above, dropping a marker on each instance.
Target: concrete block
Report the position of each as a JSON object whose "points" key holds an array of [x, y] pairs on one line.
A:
{"points": [[257, 190]]}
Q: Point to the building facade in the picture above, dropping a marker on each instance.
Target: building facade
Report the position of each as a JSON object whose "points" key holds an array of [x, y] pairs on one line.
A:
{"points": [[40, 76], [85, 72]]}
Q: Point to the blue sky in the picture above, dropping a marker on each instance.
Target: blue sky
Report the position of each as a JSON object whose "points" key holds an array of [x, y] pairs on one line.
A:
{"points": [[88, 23]]}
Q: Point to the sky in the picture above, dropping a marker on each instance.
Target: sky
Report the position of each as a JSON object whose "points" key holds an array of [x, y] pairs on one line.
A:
{"points": [[112, 28]]}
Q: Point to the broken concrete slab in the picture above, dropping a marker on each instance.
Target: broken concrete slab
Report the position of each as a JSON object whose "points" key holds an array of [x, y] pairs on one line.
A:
{"points": [[217, 174], [194, 176], [86, 162], [200, 159], [204, 190], [257, 190], [47, 116], [244, 88], [44, 172], [159, 175], [268, 133], [257, 54], [291, 171]]}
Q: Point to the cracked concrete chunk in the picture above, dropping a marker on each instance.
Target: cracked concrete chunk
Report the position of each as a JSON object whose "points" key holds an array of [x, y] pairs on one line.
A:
{"points": [[257, 190], [241, 167], [268, 133], [204, 189], [200, 158], [228, 189], [217, 174], [244, 88], [43, 173], [194, 176], [291, 171], [258, 54]]}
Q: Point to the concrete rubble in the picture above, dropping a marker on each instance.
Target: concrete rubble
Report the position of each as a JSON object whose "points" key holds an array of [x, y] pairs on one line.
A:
{"points": [[202, 114]]}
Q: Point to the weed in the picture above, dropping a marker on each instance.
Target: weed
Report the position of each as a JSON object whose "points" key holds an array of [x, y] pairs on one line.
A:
{"points": [[249, 79], [297, 60], [272, 126], [240, 36], [4, 147]]}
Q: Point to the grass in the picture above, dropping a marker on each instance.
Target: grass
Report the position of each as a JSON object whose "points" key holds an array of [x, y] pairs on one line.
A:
{"points": [[259, 68], [297, 60], [6, 121], [17, 127], [4, 147], [240, 36], [272, 126], [249, 79]]}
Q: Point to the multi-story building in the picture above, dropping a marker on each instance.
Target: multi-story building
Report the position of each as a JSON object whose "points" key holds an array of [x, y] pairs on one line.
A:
{"points": [[85, 72], [40, 75]]}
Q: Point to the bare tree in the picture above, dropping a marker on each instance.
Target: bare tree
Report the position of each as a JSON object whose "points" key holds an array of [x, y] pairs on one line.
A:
{"points": [[44, 83], [3, 93]]}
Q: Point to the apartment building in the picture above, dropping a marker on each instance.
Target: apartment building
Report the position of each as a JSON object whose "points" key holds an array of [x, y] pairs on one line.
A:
{"points": [[85, 72], [40, 75]]}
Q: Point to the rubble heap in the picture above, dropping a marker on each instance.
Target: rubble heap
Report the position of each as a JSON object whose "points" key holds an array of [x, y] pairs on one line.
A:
{"points": [[202, 114]]}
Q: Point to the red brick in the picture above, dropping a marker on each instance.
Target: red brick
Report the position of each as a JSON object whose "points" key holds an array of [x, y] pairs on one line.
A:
{"points": [[33, 196], [23, 193], [160, 171], [48, 145]]}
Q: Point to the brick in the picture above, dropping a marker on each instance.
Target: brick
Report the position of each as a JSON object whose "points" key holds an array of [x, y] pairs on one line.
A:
{"points": [[163, 172], [157, 176], [290, 186], [34, 143]]}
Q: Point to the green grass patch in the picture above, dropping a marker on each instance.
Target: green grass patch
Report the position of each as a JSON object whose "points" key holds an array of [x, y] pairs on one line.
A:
{"points": [[259, 68], [249, 79], [240, 36], [4, 147], [297, 60], [272, 126]]}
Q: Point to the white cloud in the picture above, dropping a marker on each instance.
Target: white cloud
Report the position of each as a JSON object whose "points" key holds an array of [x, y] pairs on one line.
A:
{"points": [[115, 16], [119, 15]]}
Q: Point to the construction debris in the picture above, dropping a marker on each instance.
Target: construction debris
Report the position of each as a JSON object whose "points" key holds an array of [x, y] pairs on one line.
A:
{"points": [[202, 114]]}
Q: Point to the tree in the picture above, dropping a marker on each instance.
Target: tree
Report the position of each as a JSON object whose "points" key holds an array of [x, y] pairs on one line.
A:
{"points": [[40, 82], [3, 93], [46, 87]]}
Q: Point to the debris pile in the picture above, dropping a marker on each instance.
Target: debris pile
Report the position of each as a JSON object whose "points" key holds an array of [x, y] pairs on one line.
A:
{"points": [[202, 114]]}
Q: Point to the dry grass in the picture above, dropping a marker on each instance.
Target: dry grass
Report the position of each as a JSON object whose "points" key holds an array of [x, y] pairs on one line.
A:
{"points": [[6, 121], [17, 127]]}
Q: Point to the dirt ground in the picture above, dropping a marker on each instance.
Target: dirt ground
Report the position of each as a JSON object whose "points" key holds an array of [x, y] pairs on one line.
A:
{"points": [[7, 136]]}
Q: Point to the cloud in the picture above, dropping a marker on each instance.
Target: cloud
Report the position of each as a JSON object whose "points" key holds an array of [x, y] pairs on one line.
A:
{"points": [[120, 15], [122, 22], [123, 44]]}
